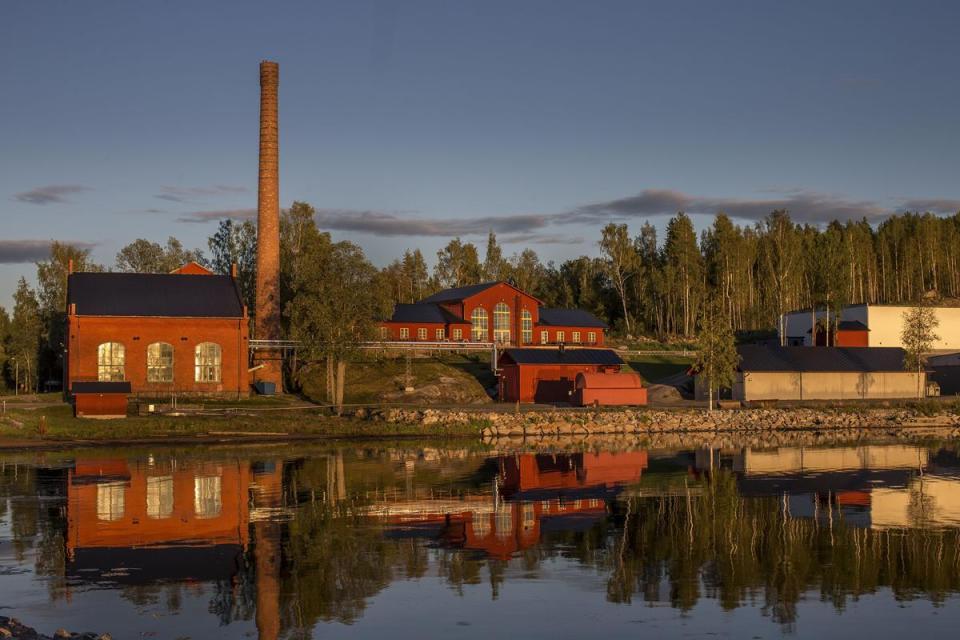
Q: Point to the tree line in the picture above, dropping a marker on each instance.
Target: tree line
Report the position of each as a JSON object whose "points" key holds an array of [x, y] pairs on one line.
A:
{"points": [[641, 284]]}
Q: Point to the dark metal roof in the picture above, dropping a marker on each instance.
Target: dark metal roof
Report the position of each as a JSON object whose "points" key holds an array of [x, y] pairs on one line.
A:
{"points": [[154, 294], [424, 313], [605, 357], [852, 325], [827, 359], [459, 293], [101, 387], [570, 318]]}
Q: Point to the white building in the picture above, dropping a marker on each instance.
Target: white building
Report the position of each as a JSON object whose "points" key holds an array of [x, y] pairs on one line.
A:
{"points": [[884, 324]]}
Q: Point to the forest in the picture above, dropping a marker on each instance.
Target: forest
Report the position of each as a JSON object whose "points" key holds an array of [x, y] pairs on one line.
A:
{"points": [[643, 283]]}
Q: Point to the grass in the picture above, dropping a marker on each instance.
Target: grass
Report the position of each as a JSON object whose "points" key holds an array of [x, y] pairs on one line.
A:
{"points": [[653, 367], [24, 425]]}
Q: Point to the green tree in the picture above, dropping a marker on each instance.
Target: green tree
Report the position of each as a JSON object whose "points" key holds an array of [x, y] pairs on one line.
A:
{"points": [[26, 328], [494, 265], [620, 263], [525, 271], [918, 335], [236, 244], [684, 267], [4, 346], [143, 256], [717, 357], [457, 264]]}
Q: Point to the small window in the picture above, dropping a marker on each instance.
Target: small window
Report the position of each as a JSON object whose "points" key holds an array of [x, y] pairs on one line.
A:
{"points": [[478, 320], [207, 501], [160, 362], [439, 334], [384, 333], [592, 337], [207, 362], [159, 497], [544, 337], [421, 333], [561, 336], [110, 501], [458, 334], [526, 326], [404, 333], [576, 337], [110, 361]]}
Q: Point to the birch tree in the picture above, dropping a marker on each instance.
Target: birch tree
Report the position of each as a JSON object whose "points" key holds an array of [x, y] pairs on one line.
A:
{"points": [[918, 335]]}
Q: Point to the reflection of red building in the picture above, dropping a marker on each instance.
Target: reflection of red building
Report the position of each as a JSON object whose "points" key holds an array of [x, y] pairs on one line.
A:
{"points": [[540, 493]]}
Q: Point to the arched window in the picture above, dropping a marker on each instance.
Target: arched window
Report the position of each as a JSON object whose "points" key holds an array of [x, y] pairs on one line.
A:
{"points": [[207, 362], [478, 319], [160, 362], [110, 358], [526, 326], [501, 322]]}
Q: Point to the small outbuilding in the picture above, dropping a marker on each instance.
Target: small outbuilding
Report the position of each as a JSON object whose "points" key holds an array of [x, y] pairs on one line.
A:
{"points": [[598, 389], [100, 399], [548, 375], [823, 373]]}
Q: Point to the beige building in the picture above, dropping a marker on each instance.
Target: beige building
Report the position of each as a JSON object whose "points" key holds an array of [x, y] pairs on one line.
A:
{"points": [[823, 373], [884, 324]]}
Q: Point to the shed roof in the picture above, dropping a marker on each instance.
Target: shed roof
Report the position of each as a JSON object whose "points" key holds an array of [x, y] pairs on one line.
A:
{"points": [[424, 313], [570, 318], [154, 295], [606, 357], [100, 387], [823, 359]]}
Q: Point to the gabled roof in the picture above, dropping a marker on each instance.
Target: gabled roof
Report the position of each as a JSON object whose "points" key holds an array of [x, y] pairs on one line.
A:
{"points": [[606, 357], [849, 325], [154, 295], [570, 318], [462, 293], [424, 313], [823, 359]]}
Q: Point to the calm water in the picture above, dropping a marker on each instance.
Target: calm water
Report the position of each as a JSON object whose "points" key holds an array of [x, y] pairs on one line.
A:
{"points": [[364, 540]]}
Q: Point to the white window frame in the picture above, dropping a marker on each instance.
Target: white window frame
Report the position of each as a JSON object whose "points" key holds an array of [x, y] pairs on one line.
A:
{"points": [[526, 326], [544, 337], [592, 337], [561, 336], [111, 362], [458, 334], [207, 362], [404, 333], [159, 365], [479, 325], [440, 333], [422, 333], [575, 338]]}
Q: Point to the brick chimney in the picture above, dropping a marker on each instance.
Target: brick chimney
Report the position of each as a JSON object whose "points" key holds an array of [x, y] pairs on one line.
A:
{"points": [[267, 321]]}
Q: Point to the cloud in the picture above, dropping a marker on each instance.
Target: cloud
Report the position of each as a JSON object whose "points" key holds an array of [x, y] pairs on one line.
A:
{"points": [[213, 216], [391, 224], [540, 238], [50, 194], [188, 194], [20, 251], [803, 206], [943, 206]]}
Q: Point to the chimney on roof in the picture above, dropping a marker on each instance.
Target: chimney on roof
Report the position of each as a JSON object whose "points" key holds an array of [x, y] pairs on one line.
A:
{"points": [[267, 312]]}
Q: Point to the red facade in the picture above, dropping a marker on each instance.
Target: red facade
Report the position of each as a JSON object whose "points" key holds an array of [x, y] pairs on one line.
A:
{"points": [[517, 312], [546, 383]]}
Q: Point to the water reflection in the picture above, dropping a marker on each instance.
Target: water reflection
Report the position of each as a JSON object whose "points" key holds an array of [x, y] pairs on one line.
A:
{"points": [[276, 545]]}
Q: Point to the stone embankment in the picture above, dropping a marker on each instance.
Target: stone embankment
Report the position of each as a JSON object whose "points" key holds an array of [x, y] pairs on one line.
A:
{"points": [[653, 422], [13, 628]]}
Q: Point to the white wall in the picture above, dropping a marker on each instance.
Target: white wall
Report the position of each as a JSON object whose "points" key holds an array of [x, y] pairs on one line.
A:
{"points": [[826, 385], [886, 323]]}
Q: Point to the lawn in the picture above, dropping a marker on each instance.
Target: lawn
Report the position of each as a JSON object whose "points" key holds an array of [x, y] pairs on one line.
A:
{"points": [[655, 367]]}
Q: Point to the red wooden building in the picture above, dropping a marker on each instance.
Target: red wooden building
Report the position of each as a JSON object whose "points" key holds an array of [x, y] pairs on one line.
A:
{"points": [[548, 375], [619, 389], [846, 333], [183, 332], [491, 312]]}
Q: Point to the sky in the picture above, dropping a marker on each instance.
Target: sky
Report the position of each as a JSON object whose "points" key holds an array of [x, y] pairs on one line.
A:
{"points": [[407, 123]]}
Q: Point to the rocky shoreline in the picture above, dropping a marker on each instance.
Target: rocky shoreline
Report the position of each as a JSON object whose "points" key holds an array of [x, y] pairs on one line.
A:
{"points": [[651, 422], [13, 628]]}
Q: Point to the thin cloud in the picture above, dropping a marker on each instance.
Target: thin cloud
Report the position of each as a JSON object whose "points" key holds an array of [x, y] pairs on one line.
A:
{"points": [[213, 216], [50, 194], [188, 194], [390, 224], [21, 251], [942, 206], [540, 238]]}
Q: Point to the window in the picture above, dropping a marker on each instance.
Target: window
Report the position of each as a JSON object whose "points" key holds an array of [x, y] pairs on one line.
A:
{"points": [[207, 362], [592, 337], [110, 501], [504, 523], [458, 334], [421, 333], [501, 322], [576, 337], [160, 362], [560, 336], [159, 497], [480, 525], [404, 333], [526, 327], [544, 337], [110, 358], [439, 334], [478, 332], [206, 496], [384, 333]]}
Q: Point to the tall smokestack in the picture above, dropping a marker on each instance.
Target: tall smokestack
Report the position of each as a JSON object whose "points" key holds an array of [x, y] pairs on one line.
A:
{"points": [[267, 321]]}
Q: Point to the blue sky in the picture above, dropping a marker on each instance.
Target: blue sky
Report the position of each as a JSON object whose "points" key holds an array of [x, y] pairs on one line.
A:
{"points": [[406, 123]]}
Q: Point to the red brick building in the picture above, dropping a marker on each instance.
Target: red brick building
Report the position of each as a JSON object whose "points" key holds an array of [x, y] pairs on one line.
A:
{"points": [[491, 312], [183, 332]]}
